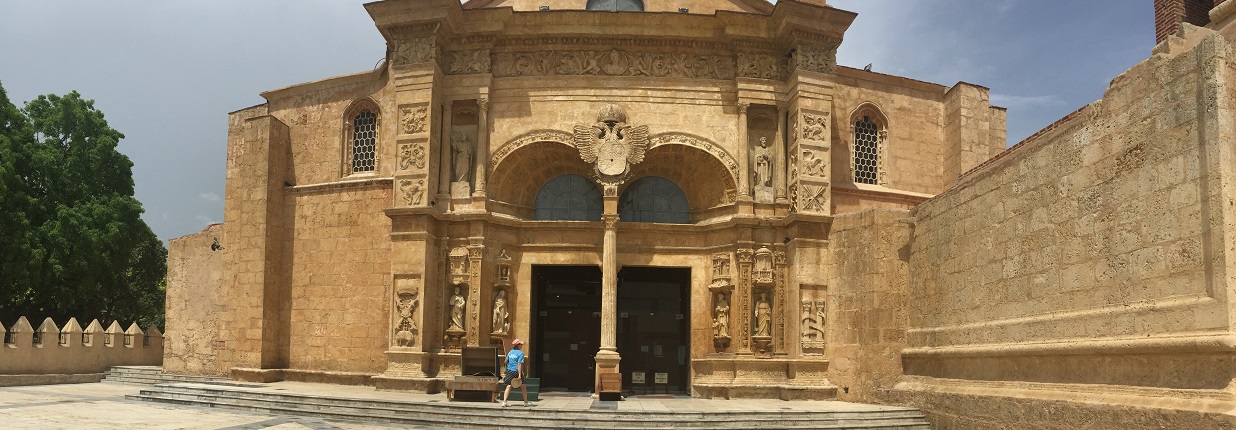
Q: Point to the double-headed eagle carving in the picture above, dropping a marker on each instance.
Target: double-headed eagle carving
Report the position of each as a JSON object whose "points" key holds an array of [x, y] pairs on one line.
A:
{"points": [[611, 144]]}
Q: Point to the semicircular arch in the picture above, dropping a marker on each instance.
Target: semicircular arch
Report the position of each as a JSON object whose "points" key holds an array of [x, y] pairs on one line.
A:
{"points": [[518, 176], [703, 177]]}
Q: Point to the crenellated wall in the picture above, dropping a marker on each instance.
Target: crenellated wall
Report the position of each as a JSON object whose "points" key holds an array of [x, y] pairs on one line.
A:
{"points": [[51, 354]]}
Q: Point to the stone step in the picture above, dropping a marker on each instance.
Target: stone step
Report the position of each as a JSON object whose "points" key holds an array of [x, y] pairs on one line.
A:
{"points": [[452, 415], [149, 375]]}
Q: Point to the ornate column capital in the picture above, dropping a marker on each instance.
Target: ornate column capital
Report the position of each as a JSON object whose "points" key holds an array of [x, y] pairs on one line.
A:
{"points": [[610, 220]]}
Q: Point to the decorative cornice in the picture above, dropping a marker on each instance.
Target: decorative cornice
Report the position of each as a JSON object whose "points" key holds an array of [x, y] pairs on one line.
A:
{"points": [[613, 62], [541, 42], [342, 185]]}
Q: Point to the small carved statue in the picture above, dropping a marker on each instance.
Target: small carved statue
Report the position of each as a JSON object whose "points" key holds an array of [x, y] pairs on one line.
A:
{"points": [[721, 317], [461, 150], [763, 316], [763, 164], [500, 323], [457, 303]]}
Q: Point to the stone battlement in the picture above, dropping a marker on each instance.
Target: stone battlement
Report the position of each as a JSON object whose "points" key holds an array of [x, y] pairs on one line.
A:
{"points": [[51, 349]]}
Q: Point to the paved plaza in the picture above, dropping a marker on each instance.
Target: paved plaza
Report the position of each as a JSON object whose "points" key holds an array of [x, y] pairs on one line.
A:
{"points": [[104, 406]]}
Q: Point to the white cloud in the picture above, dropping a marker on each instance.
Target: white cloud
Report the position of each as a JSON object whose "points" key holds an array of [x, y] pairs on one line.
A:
{"points": [[1011, 101], [210, 197]]}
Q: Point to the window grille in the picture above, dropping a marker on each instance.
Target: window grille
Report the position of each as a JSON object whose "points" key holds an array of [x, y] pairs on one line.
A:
{"points": [[364, 141], [866, 151], [654, 199], [568, 198], [616, 5]]}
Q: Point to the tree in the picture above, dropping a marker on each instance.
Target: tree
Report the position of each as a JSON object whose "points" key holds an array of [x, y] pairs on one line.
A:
{"points": [[72, 241]]}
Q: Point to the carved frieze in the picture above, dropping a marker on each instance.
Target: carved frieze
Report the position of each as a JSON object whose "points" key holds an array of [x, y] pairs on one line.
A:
{"points": [[413, 50], [467, 62], [814, 58], [411, 155], [413, 119], [612, 62], [761, 65]]}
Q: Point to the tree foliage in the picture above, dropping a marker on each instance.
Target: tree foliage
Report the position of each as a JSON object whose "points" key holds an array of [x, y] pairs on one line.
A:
{"points": [[72, 241]]}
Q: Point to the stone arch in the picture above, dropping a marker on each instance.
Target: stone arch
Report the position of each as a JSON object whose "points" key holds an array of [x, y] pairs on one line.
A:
{"points": [[868, 111], [703, 177], [523, 165], [347, 127]]}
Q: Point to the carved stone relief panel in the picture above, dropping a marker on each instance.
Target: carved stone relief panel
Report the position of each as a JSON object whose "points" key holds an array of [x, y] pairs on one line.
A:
{"points": [[813, 301], [814, 58], [466, 62], [412, 191], [761, 65], [412, 155], [407, 302], [414, 119], [745, 257], [810, 162], [414, 49]]}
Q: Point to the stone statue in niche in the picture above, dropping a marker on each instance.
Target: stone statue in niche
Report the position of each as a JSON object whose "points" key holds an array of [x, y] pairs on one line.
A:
{"points": [[457, 304], [501, 322], [406, 331], [763, 316], [763, 164], [721, 318], [461, 153]]}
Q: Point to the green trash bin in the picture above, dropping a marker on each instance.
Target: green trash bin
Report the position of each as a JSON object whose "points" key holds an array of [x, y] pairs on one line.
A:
{"points": [[534, 391]]}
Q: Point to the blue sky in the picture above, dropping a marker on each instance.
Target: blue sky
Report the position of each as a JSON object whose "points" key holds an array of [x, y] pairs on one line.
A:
{"points": [[167, 73]]}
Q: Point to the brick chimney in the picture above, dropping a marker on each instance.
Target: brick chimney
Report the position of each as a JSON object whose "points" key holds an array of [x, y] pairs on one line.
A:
{"points": [[1168, 14]]}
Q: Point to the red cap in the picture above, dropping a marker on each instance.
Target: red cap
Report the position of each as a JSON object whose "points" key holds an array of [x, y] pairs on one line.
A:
{"points": [[517, 342]]}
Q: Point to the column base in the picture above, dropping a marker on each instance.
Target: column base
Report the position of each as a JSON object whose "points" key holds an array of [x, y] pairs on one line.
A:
{"points": [[607, 362]]}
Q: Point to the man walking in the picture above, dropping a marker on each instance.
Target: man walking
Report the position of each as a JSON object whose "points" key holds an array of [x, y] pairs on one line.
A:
{"points": [[515, 372]]}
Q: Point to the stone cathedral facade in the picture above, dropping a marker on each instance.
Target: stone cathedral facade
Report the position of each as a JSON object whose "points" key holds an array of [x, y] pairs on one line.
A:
{"points": [[694, 195]]}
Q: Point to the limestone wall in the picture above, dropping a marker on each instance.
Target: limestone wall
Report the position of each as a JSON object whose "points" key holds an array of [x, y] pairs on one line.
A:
{"points": [[868, 303], [340, 278], [1083, 277], [194, 275], [72, 350]]}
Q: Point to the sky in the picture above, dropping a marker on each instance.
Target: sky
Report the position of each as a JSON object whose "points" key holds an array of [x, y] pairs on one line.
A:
{"points": [[166, 73]]}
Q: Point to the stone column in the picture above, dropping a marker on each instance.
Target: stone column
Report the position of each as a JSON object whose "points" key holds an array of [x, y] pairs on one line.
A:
{"points": [[780, 164], [744, 149], [607, 357], [444, 163], [482, 145]]}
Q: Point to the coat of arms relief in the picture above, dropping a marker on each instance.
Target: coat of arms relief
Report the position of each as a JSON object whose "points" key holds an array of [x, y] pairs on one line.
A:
{"points": [[611, 145]]}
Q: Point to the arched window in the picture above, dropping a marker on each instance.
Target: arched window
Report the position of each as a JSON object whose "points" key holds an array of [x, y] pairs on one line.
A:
{"points": [[616, 5], [360, 137], [654, 199], [866, 151], [568, 198]]}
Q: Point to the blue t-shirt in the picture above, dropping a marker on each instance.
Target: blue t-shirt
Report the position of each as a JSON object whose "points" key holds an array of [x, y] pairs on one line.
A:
{"points": [[514, 359]]}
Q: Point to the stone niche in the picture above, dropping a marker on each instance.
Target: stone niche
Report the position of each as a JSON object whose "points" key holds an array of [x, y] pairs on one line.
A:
{"points": [[463, 146], [762, 138], [813, 311]]}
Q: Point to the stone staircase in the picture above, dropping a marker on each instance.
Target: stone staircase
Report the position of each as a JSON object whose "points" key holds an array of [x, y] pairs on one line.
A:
{"points": [[487, 415], [149, 375]]}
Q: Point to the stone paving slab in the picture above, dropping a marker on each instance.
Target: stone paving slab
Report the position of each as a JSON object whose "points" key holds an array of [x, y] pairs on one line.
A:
{"points": [[103, 406]]}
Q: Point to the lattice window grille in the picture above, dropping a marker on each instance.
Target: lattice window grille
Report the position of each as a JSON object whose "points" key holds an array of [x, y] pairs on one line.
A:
{"points": [[364, 141], [866, 152]]}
